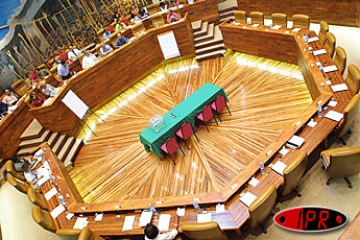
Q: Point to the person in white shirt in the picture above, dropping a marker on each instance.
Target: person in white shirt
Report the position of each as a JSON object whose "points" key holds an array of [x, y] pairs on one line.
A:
{"points": [[152, 233], [32, 177], [88, 60], [10, 98], [73, 53], [105, 49], [47, 89], [163, 7], [64, 70]]}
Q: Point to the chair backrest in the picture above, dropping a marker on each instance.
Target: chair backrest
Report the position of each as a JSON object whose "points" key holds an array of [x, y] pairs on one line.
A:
{"points": [[240, 16], [172, 145], [340, 59], [87, 234], [301, 21], [37, 198], [9, 167], [294, 172], [261, 208], [43, 218], [207, 113], [353, 78], [279, 19], [324, 28], [186, 130], [138, 28], [344, 162], [22, 187], [257, 17], [220, 103], [157, 20], [153, 8], [20, 87], [350, 114], [330, 43], [203, 231]]}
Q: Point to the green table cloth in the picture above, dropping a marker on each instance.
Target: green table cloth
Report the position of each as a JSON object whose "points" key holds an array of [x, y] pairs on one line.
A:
{"points": [[186, 111]]}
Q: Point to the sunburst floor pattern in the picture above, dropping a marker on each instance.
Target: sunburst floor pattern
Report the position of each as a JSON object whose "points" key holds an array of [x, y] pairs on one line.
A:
{"points": [[265, 97]]}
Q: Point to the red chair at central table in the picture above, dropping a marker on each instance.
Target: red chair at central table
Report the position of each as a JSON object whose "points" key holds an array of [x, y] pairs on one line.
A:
{"points": [[170, 146], [206, 115], [185, 132], [219, 104]]}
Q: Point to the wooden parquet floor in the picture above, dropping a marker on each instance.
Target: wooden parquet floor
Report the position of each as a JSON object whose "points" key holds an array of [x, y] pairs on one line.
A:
{"points": [[265, 96]]}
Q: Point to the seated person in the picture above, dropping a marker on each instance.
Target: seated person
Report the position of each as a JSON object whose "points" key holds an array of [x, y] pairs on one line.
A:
{"points": [[10, 98], [63, 70], [105, 49], [110, 28], [73, 53], [136, 12], [19, 162], [33, 176], [152, 232], [33, 76], [3, 110], [120, 26], [120, 40], [47, 89], [176, 3], [41, 73], [35, 100], [163, 7], [88, 60], [107, 34], [172, 17]]}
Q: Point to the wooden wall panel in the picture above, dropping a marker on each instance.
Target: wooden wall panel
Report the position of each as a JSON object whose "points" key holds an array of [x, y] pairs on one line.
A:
{"points": [[207, 11], [342, 12]]}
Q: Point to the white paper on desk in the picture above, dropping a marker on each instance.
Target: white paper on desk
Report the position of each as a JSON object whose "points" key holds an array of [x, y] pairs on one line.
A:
{"points": [[284, 151], [319, 52], [180, 211], [254, 182], [12, 108], [128, 223], [69, 216], [248, 198], [47, 101], [255, 25], [46, 165], [332, 103], [328, 82], [236, 23], [81, 222], [339, 87], [313, 39], [203, 217], [334, 115], [276, 27], [50, 193], [312, 123], [296, 141], [164, 222], [145, 218], [331, 68], [279, 167], [296, 29], [220, 207], [99, 217], [46, 177], [57, 211]]}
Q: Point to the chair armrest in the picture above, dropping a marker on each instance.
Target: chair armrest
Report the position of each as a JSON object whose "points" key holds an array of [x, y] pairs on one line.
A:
{"points": [[68, 232], [327, 153]]}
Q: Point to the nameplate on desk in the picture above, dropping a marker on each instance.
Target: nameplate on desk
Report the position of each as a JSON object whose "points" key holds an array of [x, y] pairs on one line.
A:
{"points": [[319, 52], [98, 217], [339, 87], [220, 207], [253, 182], [313, 39], [276, 27], [180, 211]]}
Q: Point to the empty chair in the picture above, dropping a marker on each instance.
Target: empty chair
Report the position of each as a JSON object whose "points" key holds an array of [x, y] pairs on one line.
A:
{"points": [[170, 146], [206, 115], [261, 208], [350, 114], [330, 44], [341, 162], [22, 187], [324, 28], [240, 16], [353, 78], [257, 17], [138, 29], [87, 234], [301, 21], [340, 59], [20, 87], [279, 19], [219, 104], [157, 20], [203, 231], [37, 198], [293, 173], [185, 132], [9, 168]]}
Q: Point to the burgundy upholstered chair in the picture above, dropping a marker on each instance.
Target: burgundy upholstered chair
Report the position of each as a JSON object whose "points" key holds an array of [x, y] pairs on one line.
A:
{"points": [[170, 146], [219, 104], [185, 132], [206, 115]]}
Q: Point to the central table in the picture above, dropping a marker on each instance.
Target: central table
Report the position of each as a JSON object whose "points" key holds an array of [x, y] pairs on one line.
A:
{"points": [[186, 111]]}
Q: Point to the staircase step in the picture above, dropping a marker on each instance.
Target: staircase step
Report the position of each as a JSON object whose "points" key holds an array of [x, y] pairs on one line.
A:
{"points": [[26, 151], [196, 26], [36, 141], [203, 31], [228, 9], [53, 138], [73, 153], [226, 14], [208, 36], [227, 5], [205, 56], [224, 19], [220, 46], [59, 144], [217, 39], [66, 148], [34, 130]]}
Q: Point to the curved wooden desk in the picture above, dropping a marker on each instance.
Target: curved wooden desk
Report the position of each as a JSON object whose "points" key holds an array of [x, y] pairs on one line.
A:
{"points": [[277, 44]]}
